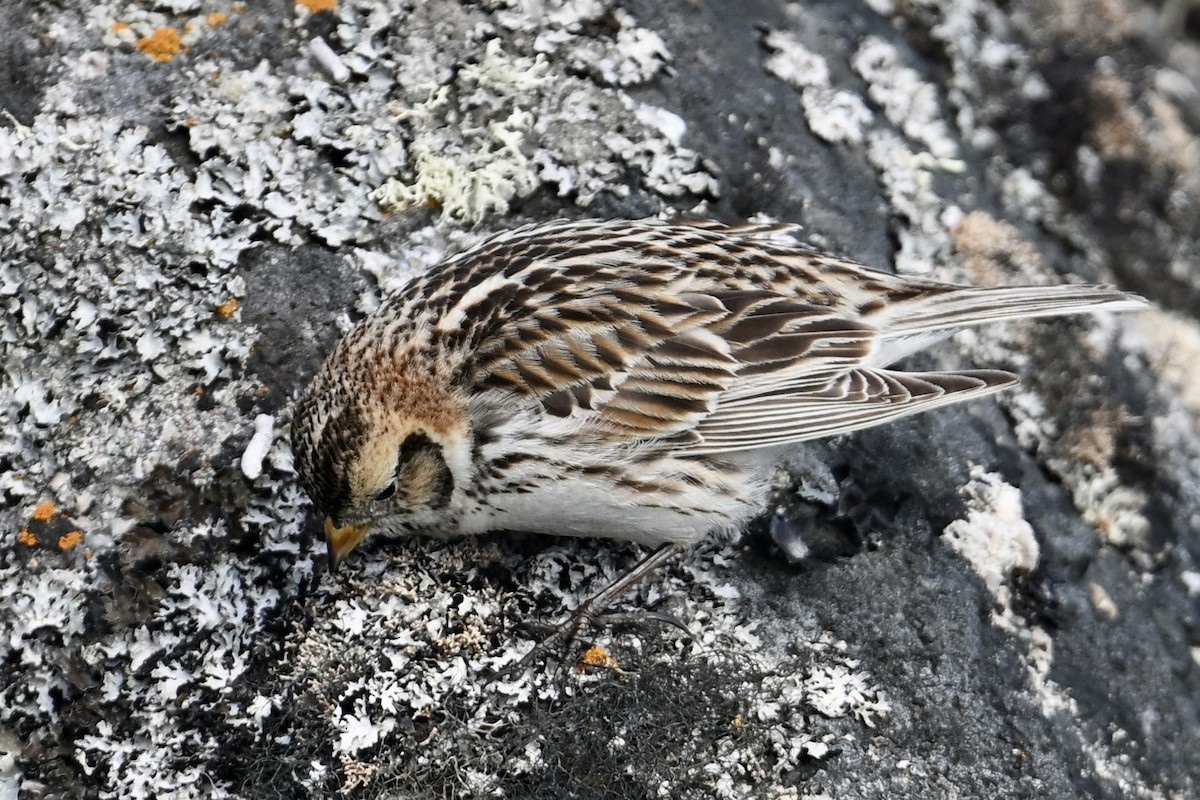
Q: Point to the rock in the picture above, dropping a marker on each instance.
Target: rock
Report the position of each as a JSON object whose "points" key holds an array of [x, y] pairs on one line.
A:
{"points": [[996, 599]]}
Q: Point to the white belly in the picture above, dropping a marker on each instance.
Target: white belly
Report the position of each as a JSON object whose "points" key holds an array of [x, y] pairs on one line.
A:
{"points": [[583, 508]]}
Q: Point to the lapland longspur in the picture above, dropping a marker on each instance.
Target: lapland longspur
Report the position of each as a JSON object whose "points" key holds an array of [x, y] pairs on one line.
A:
{"points": [[622, 379]]}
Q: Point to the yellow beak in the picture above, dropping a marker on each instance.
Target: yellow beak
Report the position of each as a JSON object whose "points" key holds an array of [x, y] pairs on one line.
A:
{"points": [[340, 541]]}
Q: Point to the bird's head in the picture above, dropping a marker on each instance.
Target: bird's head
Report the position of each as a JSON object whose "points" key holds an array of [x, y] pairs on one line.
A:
{"points": [[378, 448]]}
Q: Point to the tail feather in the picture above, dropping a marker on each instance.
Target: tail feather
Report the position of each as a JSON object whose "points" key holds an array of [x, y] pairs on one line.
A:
{"points": [[968, 306]]}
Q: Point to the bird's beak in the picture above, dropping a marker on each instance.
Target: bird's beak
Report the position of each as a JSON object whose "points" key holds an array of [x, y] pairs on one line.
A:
{"points": [[340, 541]]}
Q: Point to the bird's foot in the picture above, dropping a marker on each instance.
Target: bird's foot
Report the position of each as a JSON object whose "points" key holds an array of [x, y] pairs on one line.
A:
{"points": [[559, 639]]}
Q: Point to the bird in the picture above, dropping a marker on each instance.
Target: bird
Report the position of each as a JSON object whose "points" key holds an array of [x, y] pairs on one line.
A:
{"points": [[635, 380]]}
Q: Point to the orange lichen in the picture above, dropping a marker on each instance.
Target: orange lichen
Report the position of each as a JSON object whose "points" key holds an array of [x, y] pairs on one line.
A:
{"points": [[227, 309], [317, 6], [162, 45], [1117, 124], [992, 250], [26, 537], [216, 19], [44, 512], [69, 540], [119, 27], [597, 656], [1096, 443]]}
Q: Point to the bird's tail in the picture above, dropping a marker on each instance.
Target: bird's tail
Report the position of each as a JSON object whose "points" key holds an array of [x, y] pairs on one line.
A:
{"points": [[958, 308], [910, 325]]}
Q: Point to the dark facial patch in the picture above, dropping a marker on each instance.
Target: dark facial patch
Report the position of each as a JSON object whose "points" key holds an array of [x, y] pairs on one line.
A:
{"points": [[423, 476], [323, 468]]}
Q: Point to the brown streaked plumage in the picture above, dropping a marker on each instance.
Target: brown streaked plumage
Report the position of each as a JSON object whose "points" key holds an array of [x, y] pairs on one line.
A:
{"points": [[628, 379]]}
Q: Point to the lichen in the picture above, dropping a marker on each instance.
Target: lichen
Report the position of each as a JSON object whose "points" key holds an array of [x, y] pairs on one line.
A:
{"points": [[994, 538]]}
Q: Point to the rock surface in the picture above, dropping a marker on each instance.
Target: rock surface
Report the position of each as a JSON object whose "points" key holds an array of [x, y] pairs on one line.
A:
{"points": [[197, 197]]}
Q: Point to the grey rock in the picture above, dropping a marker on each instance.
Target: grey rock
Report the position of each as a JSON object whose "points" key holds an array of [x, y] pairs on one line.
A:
{"points": [[996, 600]]}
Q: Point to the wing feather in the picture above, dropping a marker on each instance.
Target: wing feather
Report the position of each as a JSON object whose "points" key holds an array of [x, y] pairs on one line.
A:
{"points": [[737, 334], [671, 356], [853, 400]]}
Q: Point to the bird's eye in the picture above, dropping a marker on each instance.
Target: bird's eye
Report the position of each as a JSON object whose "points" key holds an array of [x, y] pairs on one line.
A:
{"points": [[386, 493]]}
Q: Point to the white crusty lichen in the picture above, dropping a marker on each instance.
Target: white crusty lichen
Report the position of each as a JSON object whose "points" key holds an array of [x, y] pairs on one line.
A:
{"points": [[834, 686], [833, 114], [632, 56], [907, 179], [998, 543], [995, 539], [907, 153], [498, 130], [909, 102], [1082, 457], [838, 691]]}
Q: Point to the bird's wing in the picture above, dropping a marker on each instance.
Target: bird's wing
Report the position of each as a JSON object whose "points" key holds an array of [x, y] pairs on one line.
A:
{"points": [[721, 370], [848, 401], [643, 368], [740, 339], [653, 361]]}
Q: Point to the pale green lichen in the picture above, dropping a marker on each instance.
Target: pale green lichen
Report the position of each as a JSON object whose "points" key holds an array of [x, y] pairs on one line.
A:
{"points": [[468, 184], [481, 175]]}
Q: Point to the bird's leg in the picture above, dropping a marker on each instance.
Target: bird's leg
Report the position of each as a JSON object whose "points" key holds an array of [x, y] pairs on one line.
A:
{"points": [[590, 610]]}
